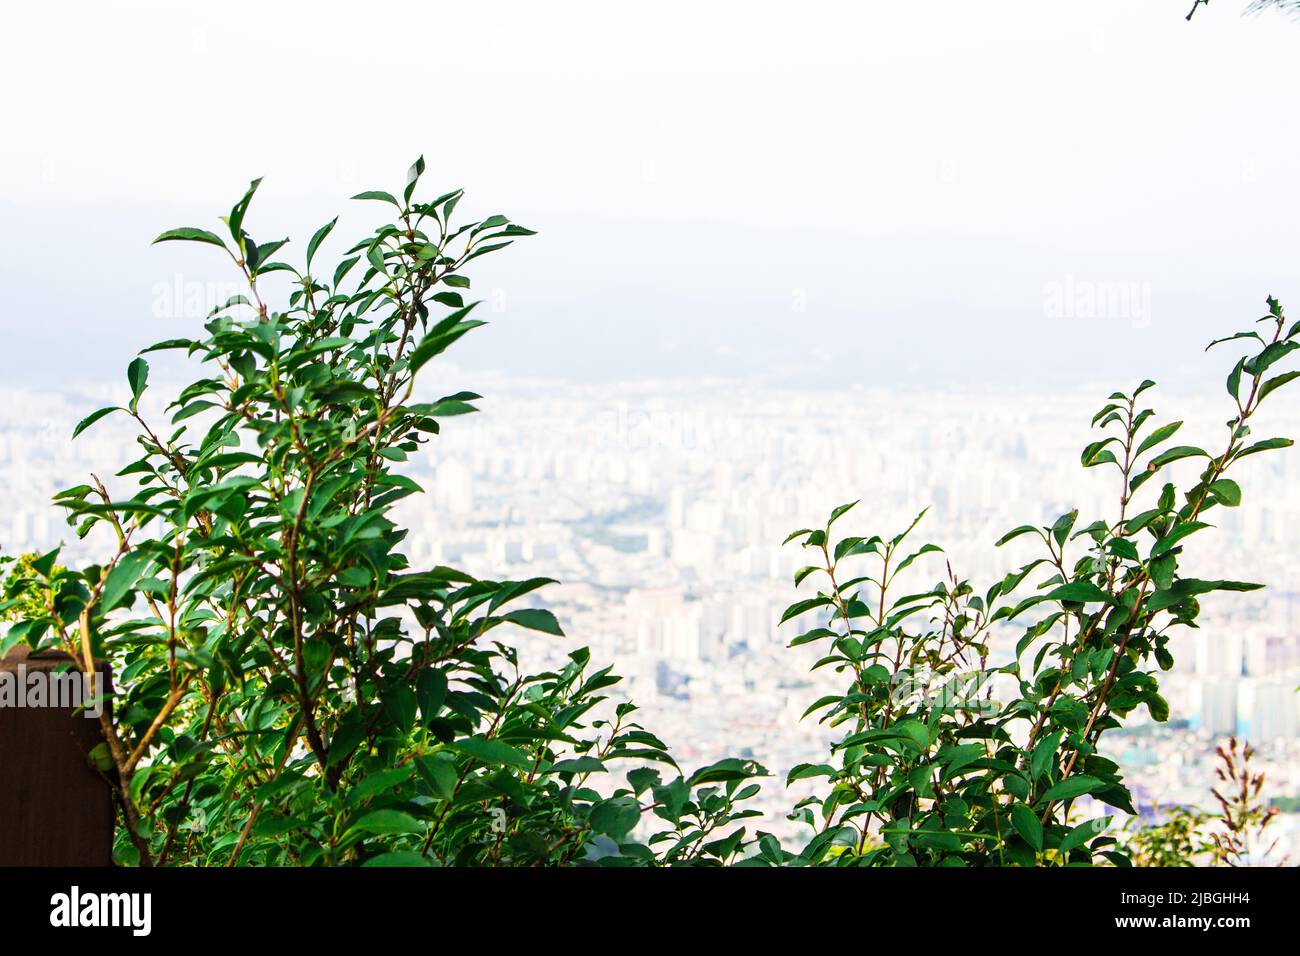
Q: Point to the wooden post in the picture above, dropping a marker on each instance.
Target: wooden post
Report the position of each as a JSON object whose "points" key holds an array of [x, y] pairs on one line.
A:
{"points": [[55, 808]]}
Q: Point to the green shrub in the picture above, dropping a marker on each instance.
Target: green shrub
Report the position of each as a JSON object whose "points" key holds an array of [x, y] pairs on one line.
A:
{"points": [[290, 689], [950, 774]]}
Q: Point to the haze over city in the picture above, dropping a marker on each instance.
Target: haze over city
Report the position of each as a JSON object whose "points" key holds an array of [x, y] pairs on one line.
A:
{"points": [[707, 181]]}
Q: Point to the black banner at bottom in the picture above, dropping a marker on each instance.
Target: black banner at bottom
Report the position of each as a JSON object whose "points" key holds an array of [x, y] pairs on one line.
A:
{"points": [[143, 907]]}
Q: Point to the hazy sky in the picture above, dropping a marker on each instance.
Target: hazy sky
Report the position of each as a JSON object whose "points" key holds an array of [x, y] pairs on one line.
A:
{"points": [[880, 191]]}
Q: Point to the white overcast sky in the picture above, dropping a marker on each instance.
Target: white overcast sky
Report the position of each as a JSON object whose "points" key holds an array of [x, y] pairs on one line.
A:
{"points": [[916, 175]]}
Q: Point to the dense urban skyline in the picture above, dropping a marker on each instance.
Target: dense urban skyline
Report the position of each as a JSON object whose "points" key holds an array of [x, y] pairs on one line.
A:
{"points": [[660, 508]]}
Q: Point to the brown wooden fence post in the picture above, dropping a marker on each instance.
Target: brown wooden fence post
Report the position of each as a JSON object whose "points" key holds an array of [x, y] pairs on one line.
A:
{"points": [[55, 808]]}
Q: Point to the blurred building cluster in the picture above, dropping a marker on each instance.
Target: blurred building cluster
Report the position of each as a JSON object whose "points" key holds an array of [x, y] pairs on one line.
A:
{"points": [[661, 507]]}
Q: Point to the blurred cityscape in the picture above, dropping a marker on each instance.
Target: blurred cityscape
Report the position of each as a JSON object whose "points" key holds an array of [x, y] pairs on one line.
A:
{"points": [[661, 506]]}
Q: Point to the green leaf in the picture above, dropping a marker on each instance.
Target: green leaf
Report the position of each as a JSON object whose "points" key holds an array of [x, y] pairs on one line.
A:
{"points": [[1124, 548], [1080, 834], [440, 773], [354, 577], [804, 770], [1097, 454], [1061, 529], [1227, 492], [413, 177], [384, 822], [236, 218], [493, 752], [380, 195], [44, 565], [441, 336], [916, 732], [821, 702], [1267, 444], [431, 690], [1083, 592], [1234, 379], [802, 574], [802, 607], [924, 549], [643, 778], [1015, 533], [445, 408], [583, 764], [1275, 383], [491, 222], [318, 238], [1158, 708], [1234, 336], [399, 704], [1175, 454], [1027, 825], [1190, 587], [1156, 437], [1272, 353], [537, 619], [1071, 787], [615, 817], [137, 376], [92, 418], [1044, 754], [122, 579], [344, 267], [840, 511], [1182, 530], [189, 234], [163, 346], [729, 768]]}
